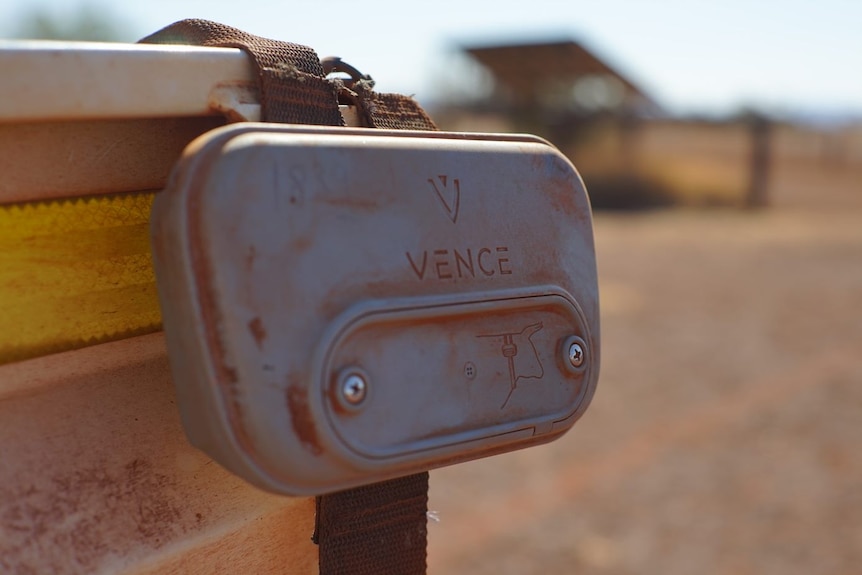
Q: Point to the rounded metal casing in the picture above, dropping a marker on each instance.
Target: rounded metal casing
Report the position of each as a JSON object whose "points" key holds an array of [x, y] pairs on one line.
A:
{"points": [[447, 272]]}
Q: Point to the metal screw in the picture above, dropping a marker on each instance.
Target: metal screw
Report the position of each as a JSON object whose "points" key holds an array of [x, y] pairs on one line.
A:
{"points": [[354, 388], [576, 354]]}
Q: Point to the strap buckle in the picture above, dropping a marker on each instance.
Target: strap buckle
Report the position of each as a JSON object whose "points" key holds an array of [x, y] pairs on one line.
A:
{"points": [[334, 64]]}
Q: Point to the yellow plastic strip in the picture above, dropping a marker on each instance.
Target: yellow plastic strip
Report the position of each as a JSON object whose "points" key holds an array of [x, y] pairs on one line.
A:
{"points": [[75, 273]]}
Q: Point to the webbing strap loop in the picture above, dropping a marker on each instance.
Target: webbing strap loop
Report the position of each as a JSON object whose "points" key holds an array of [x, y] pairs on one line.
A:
{"points": [[378, 529], [334, 64], [292, 87]]}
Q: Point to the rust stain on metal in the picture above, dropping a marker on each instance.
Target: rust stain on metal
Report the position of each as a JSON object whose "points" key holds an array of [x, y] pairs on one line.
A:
{"points": [[563, 197], [226, 95], [250, 257], [257, 330], [83, 514], [203, 271], [154, 514], [302, 243], [301, 419]]}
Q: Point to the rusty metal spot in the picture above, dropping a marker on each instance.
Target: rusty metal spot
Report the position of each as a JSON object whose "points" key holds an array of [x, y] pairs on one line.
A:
{"points": [[250, 257], [301, 419], [257, 330], [82, 516]]}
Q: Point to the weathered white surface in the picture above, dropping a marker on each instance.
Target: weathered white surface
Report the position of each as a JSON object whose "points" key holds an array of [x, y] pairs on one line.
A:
{"points": [[96, 476], [46, 80], [60, 80]]}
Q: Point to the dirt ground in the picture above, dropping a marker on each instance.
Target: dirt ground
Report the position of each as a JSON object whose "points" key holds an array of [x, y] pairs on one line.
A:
{"points": [[726, 432]]}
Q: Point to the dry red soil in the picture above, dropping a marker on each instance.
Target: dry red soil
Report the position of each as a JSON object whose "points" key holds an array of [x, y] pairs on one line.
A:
{"points": [[726, 432]]}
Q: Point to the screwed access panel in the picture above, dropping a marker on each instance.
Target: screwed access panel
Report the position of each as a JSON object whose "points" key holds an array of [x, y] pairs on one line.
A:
{"points": [[444, 375], [448, 268]]}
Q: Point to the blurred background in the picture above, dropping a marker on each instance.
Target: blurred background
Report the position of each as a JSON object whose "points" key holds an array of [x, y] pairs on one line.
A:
{"points": [[722, 147]]}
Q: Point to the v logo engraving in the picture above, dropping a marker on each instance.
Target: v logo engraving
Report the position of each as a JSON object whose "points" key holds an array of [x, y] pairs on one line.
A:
{"points": [[450, 198]]}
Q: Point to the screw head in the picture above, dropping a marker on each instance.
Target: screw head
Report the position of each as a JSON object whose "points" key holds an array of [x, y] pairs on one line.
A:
{"points": [[354, 389], [575, 352]]}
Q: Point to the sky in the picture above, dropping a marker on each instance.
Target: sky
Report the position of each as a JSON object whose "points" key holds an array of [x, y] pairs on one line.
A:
{"points": [[788, 57]]}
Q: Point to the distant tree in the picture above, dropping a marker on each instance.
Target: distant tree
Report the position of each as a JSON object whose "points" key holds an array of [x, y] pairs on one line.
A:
{"points": [[86, 22]]}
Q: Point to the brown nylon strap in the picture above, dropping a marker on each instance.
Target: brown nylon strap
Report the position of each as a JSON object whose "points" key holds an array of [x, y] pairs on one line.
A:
{"points": [[387, 111], [378, 529], [292, 87]]}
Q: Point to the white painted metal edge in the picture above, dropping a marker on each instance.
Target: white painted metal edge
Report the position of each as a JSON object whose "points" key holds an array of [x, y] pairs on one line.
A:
{"points": [[78, 80], [49, 81]]}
